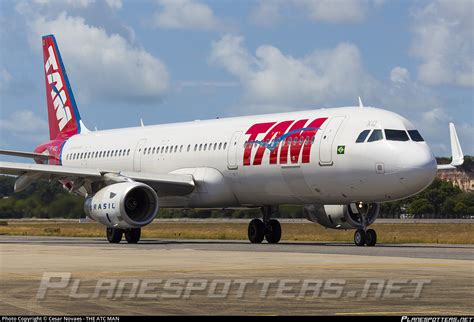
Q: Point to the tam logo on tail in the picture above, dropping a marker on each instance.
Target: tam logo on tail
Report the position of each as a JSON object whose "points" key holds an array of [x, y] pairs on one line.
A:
{"points": [[62, 112]]}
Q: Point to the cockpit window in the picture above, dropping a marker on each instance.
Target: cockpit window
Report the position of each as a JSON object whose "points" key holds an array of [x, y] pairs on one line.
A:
{"points": [[362, 136], [375, 136], [415, 135], [396, 135]]}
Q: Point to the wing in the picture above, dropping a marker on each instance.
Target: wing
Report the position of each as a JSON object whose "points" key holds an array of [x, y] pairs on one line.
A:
{"points": [[164, 184]]}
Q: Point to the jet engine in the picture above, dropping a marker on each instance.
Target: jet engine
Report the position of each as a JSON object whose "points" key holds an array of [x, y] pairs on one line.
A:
{"points": [[123, 205], [342, 216]]}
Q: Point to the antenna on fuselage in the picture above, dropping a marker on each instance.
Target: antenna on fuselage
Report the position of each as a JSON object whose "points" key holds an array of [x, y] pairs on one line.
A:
{"points": [[360, 103]]}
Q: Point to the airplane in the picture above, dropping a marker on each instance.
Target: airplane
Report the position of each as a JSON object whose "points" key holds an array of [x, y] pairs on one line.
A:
{"points": [[340, 164]]}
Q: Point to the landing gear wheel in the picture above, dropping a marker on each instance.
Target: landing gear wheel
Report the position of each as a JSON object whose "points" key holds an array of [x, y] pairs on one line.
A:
{"points": [[114, 235], [133, 235], [371, 237], [256, 231], [359, 237], [273, 231]]}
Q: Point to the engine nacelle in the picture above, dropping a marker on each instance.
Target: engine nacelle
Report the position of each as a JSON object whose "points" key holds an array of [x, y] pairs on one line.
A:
{"points": [[341, 216], [123, 205]]}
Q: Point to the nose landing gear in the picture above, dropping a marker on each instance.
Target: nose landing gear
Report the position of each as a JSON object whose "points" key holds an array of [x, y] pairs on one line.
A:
{"points": [[269, 229], [364, 236]]}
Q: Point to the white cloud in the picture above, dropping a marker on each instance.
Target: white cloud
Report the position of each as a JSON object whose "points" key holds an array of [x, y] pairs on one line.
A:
{"points": [[184, 14], [399, 75], [270, 12], [106, 67], [444, 42], [272, 78], [274, 81], [35, 131]]}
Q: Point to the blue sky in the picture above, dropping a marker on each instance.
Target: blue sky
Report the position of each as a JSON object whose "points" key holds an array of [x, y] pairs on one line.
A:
{"points": [[178, 60]]}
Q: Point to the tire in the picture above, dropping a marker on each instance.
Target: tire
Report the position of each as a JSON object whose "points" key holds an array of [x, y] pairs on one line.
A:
{"points": [[273, 231], [359, 237], [132, 235], [371, 237], [256, 231], [114, 235]]}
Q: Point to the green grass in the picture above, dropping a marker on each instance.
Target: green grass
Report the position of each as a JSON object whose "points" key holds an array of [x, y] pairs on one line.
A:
{"points": [[386, 233]]}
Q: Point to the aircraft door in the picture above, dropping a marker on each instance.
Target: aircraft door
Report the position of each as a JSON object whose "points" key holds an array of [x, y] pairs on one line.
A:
{"points": [[232, 163], [326, 146], [137, 156]]}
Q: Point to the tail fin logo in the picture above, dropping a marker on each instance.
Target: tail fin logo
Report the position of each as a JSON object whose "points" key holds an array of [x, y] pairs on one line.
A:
{"points": [[58, 95]]}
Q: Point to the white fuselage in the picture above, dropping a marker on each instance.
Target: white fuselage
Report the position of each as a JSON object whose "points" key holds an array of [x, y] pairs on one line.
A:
{"points": [[333, 169]]}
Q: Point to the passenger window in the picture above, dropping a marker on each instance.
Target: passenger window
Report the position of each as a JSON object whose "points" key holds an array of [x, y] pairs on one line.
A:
{"points": [[200, 147], [205, 147], [396, 135], [225, 145], [362, 136], [180, 148], [375, 136], [175, 148], [415, 136], [189, 147], [220, 145]]}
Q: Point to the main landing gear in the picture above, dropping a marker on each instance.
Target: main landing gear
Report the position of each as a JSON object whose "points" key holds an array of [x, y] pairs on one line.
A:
{"points": [[268, 228], [368, 237], [364, 236], [114, 235]]}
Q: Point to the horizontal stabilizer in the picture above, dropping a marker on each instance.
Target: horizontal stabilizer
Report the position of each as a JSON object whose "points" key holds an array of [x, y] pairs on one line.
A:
{"points": [[22, 154]]}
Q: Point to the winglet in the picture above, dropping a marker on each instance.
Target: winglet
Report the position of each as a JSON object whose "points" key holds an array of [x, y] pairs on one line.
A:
{"points": [[360, 103], [456, 151]]}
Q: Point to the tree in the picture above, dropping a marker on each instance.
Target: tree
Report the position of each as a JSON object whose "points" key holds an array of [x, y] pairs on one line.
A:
{"points": [[420, 207]]}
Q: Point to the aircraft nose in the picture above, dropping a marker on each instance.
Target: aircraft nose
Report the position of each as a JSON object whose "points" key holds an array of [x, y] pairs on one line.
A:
{"points": [[417, 167]]}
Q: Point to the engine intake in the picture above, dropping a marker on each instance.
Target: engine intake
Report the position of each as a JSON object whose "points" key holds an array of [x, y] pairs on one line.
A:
{"points": [[123, 205], [341, 216]]}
